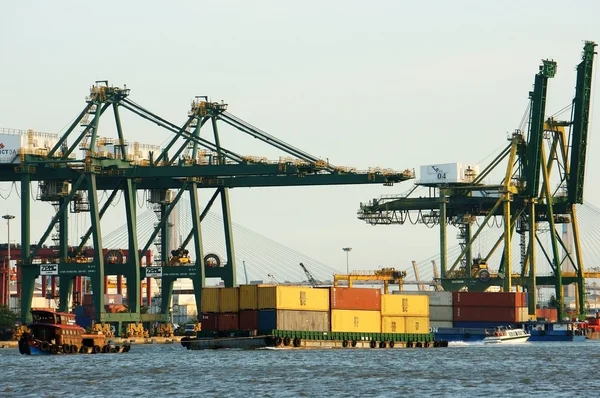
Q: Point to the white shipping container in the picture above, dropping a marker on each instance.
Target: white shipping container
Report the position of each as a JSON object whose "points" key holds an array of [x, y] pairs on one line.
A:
{"points": [[440, 313], [435, 298], [448, 173]]}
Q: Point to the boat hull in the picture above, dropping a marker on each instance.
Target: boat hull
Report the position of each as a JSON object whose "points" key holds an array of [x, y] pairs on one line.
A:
{"points": [[506, 340]]}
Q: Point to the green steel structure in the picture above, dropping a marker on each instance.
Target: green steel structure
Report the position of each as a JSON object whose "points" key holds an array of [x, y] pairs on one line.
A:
{"points": [[542, 184], [189, 162]]}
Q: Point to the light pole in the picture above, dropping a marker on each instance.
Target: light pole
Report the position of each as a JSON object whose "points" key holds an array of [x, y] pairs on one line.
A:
{"points": [[347, 250], [8, 217]]}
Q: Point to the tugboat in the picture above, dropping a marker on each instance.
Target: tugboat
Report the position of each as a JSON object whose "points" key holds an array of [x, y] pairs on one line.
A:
{"points": [[53, 332]]}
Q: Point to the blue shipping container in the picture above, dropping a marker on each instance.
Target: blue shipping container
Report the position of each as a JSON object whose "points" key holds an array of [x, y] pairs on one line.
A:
{"points": [[267, 319]]}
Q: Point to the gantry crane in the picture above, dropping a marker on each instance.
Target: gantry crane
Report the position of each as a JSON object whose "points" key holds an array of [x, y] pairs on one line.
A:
{"points": [[188, 162], [543, 182], [386, 275]]}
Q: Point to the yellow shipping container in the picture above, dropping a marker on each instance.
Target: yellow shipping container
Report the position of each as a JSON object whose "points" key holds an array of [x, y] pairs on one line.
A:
{"points": [[293, 298], [417, 324], [355, 321], [404, 305], [248, 297], [229, 300], [210, 299], [393, 324]]}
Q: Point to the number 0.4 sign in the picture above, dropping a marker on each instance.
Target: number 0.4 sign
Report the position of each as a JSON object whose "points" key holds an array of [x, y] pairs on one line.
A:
{"points": [[49, 269]]}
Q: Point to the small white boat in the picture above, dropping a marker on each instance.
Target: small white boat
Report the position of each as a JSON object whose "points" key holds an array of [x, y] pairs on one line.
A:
{"points": [[507, 335]]}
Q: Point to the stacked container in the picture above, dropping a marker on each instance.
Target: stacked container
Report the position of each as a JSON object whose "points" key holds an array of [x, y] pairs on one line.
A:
{"points": [[210, 307], [403, 313], [488, 310], [293, 308], [440, 308], [248, 307], [355, 310]]}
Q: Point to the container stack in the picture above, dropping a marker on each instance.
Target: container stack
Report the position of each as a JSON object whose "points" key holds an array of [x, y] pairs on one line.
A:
{"points": [[210, 307], [293, 308], [440, 308], [402, 313], [488, 310], [355, 310]]}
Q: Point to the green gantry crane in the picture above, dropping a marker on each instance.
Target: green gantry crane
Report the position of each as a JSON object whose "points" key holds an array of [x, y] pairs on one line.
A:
{"points": [[552, 154]]}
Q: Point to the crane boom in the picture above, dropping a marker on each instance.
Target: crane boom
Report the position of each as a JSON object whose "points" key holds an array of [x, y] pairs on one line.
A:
{"points": [[310, 276]]}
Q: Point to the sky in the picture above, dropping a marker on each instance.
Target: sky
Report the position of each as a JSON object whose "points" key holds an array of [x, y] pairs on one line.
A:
{"points": [[391, 84]]}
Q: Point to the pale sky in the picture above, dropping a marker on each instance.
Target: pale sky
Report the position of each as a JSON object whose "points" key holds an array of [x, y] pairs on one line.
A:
{"points": [[391, 84]]}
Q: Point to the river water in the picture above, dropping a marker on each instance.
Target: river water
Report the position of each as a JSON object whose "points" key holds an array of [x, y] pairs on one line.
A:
{"points": [[462, 370]]}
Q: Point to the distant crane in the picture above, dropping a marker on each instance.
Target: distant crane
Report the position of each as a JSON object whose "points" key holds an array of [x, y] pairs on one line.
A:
{"points": [[436, 277], [245, 272], [310, 276], [273, 279], [420, 286]]}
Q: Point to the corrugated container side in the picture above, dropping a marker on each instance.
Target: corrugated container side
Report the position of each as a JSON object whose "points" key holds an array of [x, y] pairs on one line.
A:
{"points": [[435, 298], [521, 299], [317, 321], [248, 297], [228, 321], [229, 299], [486, 314], [209, 321], [417, 324], [485, 299], [344, 298], [249, 320], [393, 324], [441, 313], [404, 305], [440, 324], [293, 298], [523, 314], [550, 314], [355, 321], [210, 299]]}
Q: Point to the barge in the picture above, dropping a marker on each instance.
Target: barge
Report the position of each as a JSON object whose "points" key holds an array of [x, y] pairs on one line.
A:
{"points": [[53, 333]]}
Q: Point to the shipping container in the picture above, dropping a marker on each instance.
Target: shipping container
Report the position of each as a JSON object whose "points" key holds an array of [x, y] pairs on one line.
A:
{"points": [[344, 298], [210, 299], [229, 299], [417, 324], [227, 321], [487, 314], [316, 321], [440, 324], [355, 321], [521, 299], [441, 313], [293, 298], [523, 314], [550, 314], [488, 299], [404, 305], [248, 297], [209, 321], [248, 319], [435, 298], [393, 324]]}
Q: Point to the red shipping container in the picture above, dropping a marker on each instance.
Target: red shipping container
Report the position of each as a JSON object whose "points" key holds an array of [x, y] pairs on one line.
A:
{"points": [[521, 299], [485, 314], [248, 319], [485, 299], [345, 298], [209, 321], [228, 321], [551, 314]]}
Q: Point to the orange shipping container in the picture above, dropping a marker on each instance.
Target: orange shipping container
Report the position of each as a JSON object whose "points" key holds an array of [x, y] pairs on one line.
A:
{"points": [[344, 298], [486, 314], [550, 314], [417, 324]]}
